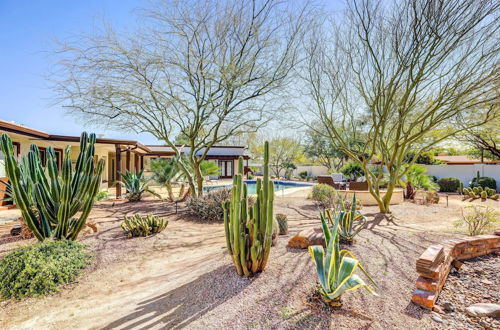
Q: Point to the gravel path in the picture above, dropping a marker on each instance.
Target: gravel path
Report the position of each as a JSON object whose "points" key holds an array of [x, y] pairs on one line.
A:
{"points": [[183, 278]]}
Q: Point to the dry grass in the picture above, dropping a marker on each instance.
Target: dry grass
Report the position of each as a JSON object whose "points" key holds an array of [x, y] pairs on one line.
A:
{"points": [[183, 277]]}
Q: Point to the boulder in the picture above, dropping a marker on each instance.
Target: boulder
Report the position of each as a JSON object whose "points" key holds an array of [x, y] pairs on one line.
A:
{"points": [[306, 238], [483, 309], [16, 230]]}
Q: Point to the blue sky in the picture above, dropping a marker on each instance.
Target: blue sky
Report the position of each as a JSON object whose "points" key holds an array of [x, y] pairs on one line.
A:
{"points": [[27, 29]]}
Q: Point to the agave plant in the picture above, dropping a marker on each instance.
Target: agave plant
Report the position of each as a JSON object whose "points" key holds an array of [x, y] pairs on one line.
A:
{"points": [[135, 185], [351, 221], [336, 269]]}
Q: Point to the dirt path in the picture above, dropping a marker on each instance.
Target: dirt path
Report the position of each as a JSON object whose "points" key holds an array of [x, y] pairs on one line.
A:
{"points": [[183, 277]]}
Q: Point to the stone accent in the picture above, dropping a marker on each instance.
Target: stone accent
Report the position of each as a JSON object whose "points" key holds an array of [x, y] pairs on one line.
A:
{"points": [[435, 264]]}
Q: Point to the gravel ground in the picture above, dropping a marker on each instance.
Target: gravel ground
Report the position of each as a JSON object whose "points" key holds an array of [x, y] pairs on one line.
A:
{"points": [[477, 281], [183, 278]]}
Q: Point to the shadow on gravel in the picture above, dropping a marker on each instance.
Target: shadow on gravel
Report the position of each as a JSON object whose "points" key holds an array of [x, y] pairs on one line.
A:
{"points": [[181, 306]]}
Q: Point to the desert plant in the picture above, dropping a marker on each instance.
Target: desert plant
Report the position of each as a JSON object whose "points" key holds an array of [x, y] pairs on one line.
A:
{"points": [[166, 172], [351, 221], [143, 226], [325, 196], [135, 185], [417, 178], [479, 192], [48, 204], [208, 168], [483, 182], [448, 184], [478, 219], [353, 171], [282, 223], [461, 188], [303, 175], [39, 269], [249, 229], [101, 195], [336, 268], [209, 206]]}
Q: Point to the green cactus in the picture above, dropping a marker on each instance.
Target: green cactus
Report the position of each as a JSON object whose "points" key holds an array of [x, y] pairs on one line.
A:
{"points": [[495, 197], [490, 191], [484, 194], [461, 188], [48, 204], [282, 223], [138, 225], [249, 229]]}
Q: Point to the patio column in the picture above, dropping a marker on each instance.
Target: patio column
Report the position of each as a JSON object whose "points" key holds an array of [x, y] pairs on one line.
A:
{"points": [[118, 154], [136, 163], [128, 160], [142, 162]]}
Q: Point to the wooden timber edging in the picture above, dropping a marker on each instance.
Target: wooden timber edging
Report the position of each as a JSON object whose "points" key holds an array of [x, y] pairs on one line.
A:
{"points": [[435, 264]]}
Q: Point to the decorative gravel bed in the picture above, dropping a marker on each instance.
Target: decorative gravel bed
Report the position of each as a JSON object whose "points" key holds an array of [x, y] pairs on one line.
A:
{"points": [[477, 281]]}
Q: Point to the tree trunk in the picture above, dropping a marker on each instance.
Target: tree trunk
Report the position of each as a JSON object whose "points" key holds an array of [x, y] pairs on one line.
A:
{"points": [[199, 180]]}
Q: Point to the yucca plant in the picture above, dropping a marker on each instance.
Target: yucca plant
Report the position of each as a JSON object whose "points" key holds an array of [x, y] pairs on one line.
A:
{"points": [[351, 221], [336, 269], [135, 185], [143, 225], [48, 201]]}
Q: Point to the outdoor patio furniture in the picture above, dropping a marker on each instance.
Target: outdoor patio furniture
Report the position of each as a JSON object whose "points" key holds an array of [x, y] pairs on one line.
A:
{"points": [[361, 186], [328, 179]]}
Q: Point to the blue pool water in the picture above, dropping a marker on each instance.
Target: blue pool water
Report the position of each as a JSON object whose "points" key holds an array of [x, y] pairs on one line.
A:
{"points": [[252, 186]]}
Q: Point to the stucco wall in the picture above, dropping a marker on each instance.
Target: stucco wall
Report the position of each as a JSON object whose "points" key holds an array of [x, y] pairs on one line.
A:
{"points": [[465, 173]]}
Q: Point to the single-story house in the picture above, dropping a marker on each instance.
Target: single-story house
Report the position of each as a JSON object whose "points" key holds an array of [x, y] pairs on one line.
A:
{"points": [[119, 155], [464, 160]]}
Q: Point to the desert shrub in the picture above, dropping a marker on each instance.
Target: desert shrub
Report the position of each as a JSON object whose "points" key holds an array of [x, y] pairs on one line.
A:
{"points": [[209, 206], [143, 225], [39, 269], [484, 182], [303, 175], [101, 195], [448, 184], [477, 219], [250, 176], [324, 195], [353, 171]]}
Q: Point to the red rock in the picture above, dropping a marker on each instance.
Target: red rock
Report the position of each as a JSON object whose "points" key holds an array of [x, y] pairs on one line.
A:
{"points": [[306, 238]]}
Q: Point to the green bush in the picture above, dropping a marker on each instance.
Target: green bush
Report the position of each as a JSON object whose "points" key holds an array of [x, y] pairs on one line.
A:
{"points": [[39, 269], [448, 184], [353, 171], [478, 219], [101, 195], [303, 175], [484, 181], [324, 195]]}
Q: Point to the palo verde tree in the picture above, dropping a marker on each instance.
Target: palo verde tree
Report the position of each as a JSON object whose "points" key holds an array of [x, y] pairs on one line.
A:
{"points": [[406, 69], [202, 70]]}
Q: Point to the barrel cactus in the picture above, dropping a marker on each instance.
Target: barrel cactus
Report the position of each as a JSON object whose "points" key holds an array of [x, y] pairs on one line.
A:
{"points": [[282, 223], [48, 199], [249, 229], [143, 226]]}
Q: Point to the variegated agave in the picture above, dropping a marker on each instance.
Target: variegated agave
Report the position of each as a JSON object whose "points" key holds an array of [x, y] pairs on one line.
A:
{"points": [[351, 221], [336, 269], [135, 185]]}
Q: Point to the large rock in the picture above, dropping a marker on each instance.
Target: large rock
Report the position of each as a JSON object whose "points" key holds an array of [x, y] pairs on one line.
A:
{"points": [[484, 309], [306, 238]]}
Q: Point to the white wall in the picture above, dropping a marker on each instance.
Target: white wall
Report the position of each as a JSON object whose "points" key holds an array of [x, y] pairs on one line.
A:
{"points": [[465, 173], [311, 170]]}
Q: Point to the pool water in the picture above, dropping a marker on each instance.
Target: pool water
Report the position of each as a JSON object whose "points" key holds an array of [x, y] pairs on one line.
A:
{"points": [[252, 186]]}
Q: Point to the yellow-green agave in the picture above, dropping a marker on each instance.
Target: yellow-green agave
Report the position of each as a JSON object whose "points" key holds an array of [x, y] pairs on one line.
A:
{"points": [[336, 268]]}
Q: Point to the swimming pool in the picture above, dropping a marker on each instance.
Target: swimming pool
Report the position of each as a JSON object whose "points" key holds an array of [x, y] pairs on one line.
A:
{"points": [[252, 186]]}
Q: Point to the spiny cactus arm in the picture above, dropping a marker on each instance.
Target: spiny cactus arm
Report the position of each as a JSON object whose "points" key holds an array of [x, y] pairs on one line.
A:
{"points": [[226, 205], [269, 226], [244, 237], [53, 173], [20, 193]]}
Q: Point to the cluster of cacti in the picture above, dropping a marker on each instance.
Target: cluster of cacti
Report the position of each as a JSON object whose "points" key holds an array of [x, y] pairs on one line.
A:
{"points": [[139, 225], [480, 192], [49, 204], [282, 223], [249, 229]]}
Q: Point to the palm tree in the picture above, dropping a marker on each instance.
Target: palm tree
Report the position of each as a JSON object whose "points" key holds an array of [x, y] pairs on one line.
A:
{"points": [[417, 178], [166, 172]]}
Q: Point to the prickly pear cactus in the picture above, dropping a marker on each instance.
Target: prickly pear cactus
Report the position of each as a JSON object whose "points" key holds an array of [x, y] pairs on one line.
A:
{"points": [[248, 229]]}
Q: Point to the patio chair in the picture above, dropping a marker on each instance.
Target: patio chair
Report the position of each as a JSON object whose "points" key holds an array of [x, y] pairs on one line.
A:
{"points": [[328, 179]]}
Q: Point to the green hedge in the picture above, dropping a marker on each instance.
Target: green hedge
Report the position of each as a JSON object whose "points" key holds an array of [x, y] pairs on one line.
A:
{"points": [[448, 184], [39, 269]]}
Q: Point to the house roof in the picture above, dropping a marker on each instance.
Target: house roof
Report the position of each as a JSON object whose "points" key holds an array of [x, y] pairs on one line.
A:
{"points": [[463, 159], [215, 151]]}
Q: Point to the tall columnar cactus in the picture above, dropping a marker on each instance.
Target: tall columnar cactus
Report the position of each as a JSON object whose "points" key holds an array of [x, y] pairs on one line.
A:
{"points": [[49, 200], [249, 229]]}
